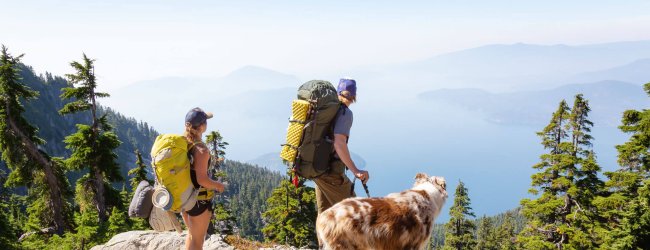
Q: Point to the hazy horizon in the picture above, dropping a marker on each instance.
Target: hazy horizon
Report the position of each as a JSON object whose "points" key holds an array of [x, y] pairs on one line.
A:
{"points": [[147, 40]]}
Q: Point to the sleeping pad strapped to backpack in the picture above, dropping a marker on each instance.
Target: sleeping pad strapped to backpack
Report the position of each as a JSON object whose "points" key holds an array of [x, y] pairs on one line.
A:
{"points": [[310, 134]]}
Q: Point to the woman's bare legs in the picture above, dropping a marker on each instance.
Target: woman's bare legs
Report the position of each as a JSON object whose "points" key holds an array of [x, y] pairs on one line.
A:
{"points": [[197, 227]]}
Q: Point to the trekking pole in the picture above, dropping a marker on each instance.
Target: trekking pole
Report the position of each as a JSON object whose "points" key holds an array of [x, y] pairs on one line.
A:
{"points": [[365, 187]]}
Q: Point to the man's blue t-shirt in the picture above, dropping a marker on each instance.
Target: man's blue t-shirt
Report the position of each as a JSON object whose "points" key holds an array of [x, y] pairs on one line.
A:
{"points": [[343, 122]]}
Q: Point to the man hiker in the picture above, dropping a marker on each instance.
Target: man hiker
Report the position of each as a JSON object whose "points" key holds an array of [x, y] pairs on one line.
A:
{"points": [[334, 186]]}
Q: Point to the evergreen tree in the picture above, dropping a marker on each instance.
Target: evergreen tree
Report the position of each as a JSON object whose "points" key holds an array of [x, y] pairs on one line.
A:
{"points": [[625, 207], [88, 234], [139, 173], [543, 230], [92, 145], [563, 215], [486, 235], [249, 198], [437, 240], [117, 222], [460, 229], [217, 147], [588, 185], [580, 213], [290, 217], [223, 220], [20, 145], [7, 232], [129, 223], [505, 233]]}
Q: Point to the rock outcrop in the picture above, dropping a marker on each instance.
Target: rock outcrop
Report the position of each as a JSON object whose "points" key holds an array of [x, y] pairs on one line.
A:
{"points": [[149, 240]]}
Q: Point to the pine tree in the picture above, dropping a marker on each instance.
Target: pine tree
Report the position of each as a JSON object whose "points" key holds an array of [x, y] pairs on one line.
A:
{"points": [[290, 217], [223, 220], [563, 215], [217, 146], [543, 230], [460, 229], [581, 214], [92, 145], [625, 207], [117, 222], [139, 173], [505, 233], [588, 184], [486, 235], [7, 232], [88, 232], [437, 240], [20, 145]]}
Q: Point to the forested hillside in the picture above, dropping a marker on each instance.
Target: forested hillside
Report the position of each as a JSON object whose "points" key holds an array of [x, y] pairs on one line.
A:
{"points": [[43, 113], [249, 188], [496, 228], [56, 119]]}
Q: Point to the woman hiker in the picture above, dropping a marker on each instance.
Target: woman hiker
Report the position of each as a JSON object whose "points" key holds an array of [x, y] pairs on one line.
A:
{"points": [[197, 219]]}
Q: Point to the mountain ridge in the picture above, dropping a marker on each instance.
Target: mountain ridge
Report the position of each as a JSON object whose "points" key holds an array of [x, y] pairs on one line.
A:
{"points": [[609, 100]]}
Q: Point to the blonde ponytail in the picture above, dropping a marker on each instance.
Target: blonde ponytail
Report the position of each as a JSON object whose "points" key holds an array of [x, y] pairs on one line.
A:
{"points": [[192, 134]]}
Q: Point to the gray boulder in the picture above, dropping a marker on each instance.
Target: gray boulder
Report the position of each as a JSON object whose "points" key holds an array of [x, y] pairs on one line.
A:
{"points": [[146, 240]]}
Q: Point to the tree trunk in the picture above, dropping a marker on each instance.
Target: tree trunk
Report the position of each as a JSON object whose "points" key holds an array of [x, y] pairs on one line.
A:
{"points": [[56, 200], [100, 200]]}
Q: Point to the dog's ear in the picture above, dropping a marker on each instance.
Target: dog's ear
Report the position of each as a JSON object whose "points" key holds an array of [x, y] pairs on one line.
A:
{"points": [[421, 176], [440, 181]]}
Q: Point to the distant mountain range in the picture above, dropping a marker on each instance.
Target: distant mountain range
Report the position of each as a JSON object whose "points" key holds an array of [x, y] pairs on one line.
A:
{"points": [[608, 100], [635, 72], [509, 67], [165, 101]]}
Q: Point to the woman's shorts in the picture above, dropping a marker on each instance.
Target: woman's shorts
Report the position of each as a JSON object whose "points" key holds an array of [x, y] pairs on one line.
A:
{"points": [[200, 207]]}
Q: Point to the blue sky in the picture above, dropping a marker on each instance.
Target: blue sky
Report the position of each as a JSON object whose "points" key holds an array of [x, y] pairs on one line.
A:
{"points": [[152, 39]]}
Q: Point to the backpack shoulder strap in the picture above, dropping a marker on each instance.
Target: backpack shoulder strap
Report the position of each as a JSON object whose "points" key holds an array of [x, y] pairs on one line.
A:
{"points": [[339, 112], [342, 108], [191, 146]]}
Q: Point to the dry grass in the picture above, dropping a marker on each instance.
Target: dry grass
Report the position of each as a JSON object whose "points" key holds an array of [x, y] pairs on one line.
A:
{"points": [[245, 244]]}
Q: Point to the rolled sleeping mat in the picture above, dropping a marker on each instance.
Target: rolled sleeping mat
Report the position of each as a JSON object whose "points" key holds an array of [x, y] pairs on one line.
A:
{"points": [[141, 203], [299, 113], [161, 220]]}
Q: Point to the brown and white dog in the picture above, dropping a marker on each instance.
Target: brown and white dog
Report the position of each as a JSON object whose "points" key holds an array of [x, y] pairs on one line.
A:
{"points": [[398, 221]]}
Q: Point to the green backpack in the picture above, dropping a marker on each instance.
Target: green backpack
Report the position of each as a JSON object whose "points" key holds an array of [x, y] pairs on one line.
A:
{"points": [[316, 146]]}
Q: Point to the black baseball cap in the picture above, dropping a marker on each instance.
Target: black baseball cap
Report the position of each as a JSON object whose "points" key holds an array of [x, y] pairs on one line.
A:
{"points": [[197, 116]]}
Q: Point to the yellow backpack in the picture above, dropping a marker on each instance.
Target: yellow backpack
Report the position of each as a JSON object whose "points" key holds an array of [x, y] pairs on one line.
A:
{"points": [[175, 191]]}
